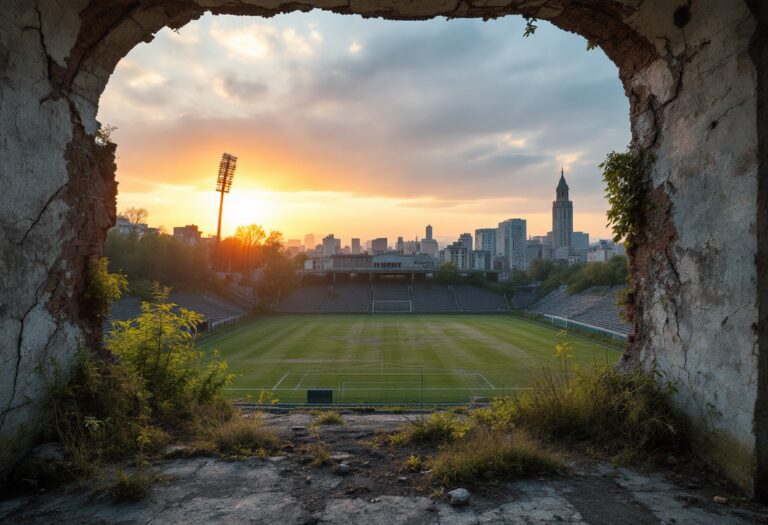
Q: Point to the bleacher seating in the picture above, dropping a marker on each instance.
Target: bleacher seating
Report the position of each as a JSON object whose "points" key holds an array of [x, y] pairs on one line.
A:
{"points": [[211, 307], [307, 298], [349, 297], [391, 295], [474, 299], [392, 290], [521, 300], [429, 297], [597, 306]]}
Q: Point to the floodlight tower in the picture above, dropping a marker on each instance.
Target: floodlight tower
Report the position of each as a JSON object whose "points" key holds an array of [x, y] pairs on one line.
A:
{"points": [[227, 168]]}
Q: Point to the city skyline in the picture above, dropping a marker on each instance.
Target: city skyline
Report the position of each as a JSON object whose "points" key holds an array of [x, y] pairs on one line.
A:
{"points": [[427, 231], [337, 127]]}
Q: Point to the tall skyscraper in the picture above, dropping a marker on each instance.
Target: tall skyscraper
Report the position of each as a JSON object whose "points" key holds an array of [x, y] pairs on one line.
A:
{"points": [[511, 242], [379, 245], [331, 245], [466, 240], [355, 245], [562, 216], [485, 239], [429, 232], [580, 241], [309, 241]]}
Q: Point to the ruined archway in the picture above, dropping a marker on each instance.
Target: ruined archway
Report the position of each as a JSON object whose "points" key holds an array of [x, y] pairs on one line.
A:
{"points": [[695, 75]]}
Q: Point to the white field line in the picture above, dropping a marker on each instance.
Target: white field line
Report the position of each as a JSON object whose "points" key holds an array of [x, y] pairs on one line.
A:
{"points": [[485, 379], [301, 380], [437, 388], [281, 380]]}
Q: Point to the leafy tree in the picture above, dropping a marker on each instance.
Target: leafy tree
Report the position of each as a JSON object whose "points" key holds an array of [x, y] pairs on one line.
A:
{"points": [[279, 278], [539, 269], [610, 273], [135, 216], [160, 258], [447, 273]]}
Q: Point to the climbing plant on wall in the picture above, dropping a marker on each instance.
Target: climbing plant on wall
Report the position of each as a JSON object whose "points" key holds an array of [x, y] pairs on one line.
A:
{"points": [[624, 191]]}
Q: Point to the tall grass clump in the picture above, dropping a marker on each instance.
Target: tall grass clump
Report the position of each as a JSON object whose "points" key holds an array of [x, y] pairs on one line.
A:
{"points": [[329, 417], [622, 413], [493, 454], [244, 436], [441, 427]]}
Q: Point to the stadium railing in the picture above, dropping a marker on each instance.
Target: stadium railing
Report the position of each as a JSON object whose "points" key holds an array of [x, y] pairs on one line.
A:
{"points": [[372, 396], [564, 322]]}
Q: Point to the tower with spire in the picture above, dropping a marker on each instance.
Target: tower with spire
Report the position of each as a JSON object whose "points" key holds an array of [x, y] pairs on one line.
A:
{"points": [[562, 216]]}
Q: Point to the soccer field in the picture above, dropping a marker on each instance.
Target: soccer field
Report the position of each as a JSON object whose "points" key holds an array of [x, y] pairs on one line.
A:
{"points": [[393, 358]]}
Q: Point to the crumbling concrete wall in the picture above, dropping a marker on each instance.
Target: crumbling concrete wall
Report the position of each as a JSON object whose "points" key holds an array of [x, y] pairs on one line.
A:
{"points": [[695, 273], [697, 93]]}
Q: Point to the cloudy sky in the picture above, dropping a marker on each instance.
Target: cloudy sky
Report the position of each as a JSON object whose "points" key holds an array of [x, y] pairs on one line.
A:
{"points": [[365, 128]]}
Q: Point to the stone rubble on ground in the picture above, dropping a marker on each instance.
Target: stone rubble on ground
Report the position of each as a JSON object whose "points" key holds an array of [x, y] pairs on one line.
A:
{"points": [[459, 497], [207, 490]]}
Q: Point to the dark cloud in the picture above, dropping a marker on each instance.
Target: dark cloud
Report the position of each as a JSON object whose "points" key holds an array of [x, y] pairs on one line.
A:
{"points": [[421, 109], [243, 90]]}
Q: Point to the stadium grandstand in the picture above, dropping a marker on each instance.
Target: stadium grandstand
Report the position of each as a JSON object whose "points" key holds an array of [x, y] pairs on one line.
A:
{"points": [[432, 297], [595, 309], [215, 310], [475, 299], [391, 294]]}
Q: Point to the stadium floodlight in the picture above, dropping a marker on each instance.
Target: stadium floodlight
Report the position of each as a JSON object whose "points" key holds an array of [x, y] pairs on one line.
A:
{"points": [[227, 168]]}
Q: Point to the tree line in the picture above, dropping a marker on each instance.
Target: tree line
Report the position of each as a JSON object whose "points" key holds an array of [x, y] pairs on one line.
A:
{"points": [[256, 255], [548, 275], [578, 277]]}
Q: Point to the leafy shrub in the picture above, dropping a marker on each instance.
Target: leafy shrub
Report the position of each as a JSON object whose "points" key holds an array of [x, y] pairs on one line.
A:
{"points": [[488, 454], [244, 436], [99, 413], [414, 463], [159, 347], [625, 414], [103, 135], [625, 192], [102, 287], [267, 398], [151, 385]]}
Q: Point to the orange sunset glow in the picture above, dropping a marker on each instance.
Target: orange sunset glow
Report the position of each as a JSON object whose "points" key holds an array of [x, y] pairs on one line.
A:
{"points": [[337, 131]]}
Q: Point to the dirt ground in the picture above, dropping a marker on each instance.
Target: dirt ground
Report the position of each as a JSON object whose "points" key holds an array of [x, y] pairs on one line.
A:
{"points": [[378, 488]]}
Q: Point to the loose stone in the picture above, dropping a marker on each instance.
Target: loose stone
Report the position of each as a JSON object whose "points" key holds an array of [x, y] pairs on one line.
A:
{"points": [[459, 497]]}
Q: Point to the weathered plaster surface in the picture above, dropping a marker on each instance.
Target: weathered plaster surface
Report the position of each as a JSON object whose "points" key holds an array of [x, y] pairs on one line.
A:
{"points": [[696, 273], [688, 68]]}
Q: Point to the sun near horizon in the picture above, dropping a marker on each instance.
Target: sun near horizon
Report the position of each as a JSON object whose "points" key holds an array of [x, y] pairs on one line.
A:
{"points": [[338, 129]]}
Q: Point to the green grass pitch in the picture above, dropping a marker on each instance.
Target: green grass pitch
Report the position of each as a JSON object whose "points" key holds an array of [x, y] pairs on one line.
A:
{"points": [[393, 358]]}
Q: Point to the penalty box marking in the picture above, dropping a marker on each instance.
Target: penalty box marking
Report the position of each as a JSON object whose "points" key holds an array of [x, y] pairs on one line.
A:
{"points": [[280, 381]]}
